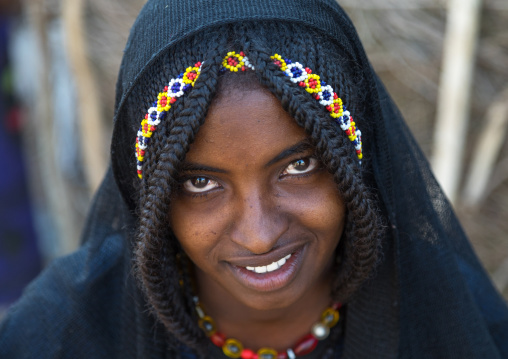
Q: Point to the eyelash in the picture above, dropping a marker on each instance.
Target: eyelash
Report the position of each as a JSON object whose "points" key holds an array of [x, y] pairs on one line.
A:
{"points": [[313, 164]]}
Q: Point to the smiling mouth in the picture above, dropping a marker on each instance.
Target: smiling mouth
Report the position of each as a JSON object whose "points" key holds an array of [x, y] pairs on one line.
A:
{"points": [[271, 267], [271, 277]]}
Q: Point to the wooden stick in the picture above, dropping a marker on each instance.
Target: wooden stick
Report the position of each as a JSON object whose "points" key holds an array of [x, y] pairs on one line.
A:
{"points": [[487, 150], [91, 124], [454, 93], [48, 182]]}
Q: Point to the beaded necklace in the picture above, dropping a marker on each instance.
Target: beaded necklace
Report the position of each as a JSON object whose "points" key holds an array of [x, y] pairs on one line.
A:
{"points": [[233, 348]]}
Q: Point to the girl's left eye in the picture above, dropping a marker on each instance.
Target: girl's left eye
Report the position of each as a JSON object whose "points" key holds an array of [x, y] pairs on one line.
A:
{"points": [[301, 166], [200, 184]]}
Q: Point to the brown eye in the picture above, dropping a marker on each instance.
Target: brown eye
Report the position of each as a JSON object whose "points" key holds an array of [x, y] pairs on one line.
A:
{"points": [[301, 165], [200, 184]]}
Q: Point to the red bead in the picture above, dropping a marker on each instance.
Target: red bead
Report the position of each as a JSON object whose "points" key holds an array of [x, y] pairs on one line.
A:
{"points": [[197, 64], [140, 172], [247, 354], [309, 71], [328, 108], [243, 68], [358, 152], [282, 355], [218, 339], [305, 345], [146, 117], [165, 89], [242, 53], [335, 96], [173, 100], [302, 84]]}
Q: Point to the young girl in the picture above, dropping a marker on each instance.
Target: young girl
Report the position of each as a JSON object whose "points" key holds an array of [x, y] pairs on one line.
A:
{"points": [[265, 201]]}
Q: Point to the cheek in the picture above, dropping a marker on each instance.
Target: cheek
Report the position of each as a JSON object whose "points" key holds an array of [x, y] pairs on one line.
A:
{"points": [[197, 228], [321, 209]]}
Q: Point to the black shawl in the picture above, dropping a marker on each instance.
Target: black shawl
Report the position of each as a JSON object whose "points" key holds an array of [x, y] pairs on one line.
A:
{"points": [[430, 297]]}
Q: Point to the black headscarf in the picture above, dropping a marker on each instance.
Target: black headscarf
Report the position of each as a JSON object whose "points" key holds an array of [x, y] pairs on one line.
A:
{"points": [[430, 297]]}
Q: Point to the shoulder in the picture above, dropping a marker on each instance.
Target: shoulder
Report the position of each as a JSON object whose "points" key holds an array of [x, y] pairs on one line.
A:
{"points": [[71, 309]]}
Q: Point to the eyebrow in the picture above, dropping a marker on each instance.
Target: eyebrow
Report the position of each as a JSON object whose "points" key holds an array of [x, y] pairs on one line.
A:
{"points": [[297, 148], [300, 147], [198, 167]]}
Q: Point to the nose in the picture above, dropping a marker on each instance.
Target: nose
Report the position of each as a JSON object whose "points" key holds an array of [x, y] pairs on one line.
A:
{"points": [[259, 222]]}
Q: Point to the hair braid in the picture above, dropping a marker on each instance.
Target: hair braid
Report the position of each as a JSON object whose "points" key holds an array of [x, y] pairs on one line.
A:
{"points": [[156, 249], [363, 229]]}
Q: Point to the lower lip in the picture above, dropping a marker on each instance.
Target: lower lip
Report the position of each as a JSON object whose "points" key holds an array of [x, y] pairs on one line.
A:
{"points": [[271, 281]]}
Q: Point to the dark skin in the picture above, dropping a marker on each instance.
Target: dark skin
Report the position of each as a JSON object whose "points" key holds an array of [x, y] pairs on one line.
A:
{"points": [[253, 192]]}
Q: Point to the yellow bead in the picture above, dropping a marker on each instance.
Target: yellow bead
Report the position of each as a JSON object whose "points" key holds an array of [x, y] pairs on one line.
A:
{"points": [[232, 348], [267, 353], [330, 317], [140, 176], [360, 156], [207, 324]]}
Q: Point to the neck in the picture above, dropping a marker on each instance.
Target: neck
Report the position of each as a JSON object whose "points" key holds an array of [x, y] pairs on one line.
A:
{"points": [[278, 327]]}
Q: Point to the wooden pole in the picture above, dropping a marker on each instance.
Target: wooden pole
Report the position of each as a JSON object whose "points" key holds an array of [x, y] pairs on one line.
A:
{"points": [[92, 130], [454, 93], [53, 188], [487, 150]]}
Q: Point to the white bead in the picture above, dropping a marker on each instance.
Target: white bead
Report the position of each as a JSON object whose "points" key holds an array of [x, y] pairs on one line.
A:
{"points": [[329, 89], [302, 77], [291, 354], [320, 331]]}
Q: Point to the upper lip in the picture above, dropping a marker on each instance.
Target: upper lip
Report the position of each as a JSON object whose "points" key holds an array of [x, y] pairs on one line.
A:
{"points": [[256, 260]]}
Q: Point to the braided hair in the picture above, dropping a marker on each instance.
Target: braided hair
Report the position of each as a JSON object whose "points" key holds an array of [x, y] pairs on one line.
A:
{"points": [[164, 278]]}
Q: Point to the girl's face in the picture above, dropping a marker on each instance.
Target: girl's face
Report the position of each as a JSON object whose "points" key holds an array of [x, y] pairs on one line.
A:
{"points": [[257, 213]]}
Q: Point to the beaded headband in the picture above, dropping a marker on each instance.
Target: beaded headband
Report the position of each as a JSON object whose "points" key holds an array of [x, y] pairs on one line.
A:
{"points": [[302, 76]]}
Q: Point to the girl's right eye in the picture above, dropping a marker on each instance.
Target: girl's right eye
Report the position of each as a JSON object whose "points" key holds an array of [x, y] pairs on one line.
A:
{"points": [[200, 184]]}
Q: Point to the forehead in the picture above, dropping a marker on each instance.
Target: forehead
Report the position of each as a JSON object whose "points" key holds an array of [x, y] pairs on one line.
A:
{"points": [[244, 122]]}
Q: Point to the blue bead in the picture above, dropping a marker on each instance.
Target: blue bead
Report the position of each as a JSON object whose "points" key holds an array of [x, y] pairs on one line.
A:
{"points": [[323, 83]]}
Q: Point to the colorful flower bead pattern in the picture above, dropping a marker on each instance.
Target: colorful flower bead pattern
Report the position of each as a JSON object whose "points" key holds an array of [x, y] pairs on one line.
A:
{"points": [[176, 88], [324, 94], [234, 62]]}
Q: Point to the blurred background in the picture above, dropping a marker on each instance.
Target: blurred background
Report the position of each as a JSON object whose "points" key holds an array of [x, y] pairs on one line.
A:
{"points": [[445, 62]]}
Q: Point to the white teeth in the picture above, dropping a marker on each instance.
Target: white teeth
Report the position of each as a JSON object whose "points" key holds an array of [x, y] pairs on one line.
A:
{"points": [[271, 267], [260, 269]]}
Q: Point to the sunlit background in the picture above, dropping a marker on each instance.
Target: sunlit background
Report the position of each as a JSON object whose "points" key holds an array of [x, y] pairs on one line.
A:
{"points": [[444, 62]]}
